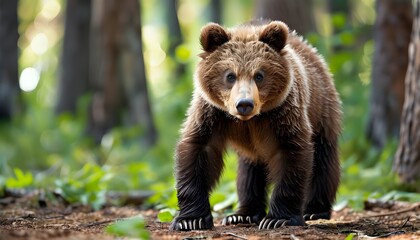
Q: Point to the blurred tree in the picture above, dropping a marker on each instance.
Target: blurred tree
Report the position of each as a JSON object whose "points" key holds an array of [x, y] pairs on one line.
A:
{"points": [[117, 69], [74, 77], [341, 10], [216, 11], [297, 14], [174, 30], [391, 35], [407, 161], [175, 34], [9, 80], [340, 6]]}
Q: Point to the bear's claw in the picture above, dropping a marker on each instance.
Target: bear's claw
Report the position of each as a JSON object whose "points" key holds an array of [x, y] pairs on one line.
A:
{"points": [[185, 223], [236, 219], [273, 222], [316, 216], [190, 224]]}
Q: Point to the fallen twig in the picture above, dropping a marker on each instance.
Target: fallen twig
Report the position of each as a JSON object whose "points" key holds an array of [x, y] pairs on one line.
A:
{"points": [[415, 206], [235, 235], [20, 218], [98, 223], [293, 237]]}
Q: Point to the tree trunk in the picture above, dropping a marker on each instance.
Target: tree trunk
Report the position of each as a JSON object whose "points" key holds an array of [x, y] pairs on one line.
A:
{"points": [[74, 77], [340, 6], [216, 11], [9, 81], [118, 72], [391, 35], [174, 30], [175, 35], [407, 161], [297, 14]]}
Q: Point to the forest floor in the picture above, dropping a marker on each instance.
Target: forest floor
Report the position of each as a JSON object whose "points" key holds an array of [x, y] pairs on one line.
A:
{"points": [[26, 217]]}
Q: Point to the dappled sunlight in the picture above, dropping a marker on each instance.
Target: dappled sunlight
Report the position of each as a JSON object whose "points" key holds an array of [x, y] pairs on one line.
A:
{"points": [[155, 55], [39, 43], [29, 79], [50, 9], [189, 11]]}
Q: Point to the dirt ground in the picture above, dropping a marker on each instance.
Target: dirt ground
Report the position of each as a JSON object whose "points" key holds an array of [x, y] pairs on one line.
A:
{"points": [[27, 217]]}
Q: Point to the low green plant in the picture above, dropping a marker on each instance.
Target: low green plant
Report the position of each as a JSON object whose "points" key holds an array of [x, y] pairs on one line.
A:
{"points": [[20, 180], [350, 236], [87, 186], [166, 215], [131, 227]]}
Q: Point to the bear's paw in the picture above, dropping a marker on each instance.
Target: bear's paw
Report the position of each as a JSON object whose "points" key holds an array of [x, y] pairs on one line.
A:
{"points": [[188, 224], [237, 219], [273, 222]]}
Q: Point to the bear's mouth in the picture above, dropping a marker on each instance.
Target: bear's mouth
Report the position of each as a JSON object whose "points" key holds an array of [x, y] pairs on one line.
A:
{"points": [[244, 118]]}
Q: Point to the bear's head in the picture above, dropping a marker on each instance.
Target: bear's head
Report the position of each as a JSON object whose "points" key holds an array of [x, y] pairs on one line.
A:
{"points": [[245, 70]]}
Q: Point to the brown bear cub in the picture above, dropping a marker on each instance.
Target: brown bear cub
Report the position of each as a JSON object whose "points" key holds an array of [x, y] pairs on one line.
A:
{"points": [[266, 93]]}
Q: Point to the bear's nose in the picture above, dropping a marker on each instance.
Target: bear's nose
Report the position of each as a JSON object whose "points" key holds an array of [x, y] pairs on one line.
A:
{"points": [[245, 106]]}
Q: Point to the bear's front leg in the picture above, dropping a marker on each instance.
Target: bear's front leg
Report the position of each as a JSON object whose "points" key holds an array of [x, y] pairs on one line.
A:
{"points": [[198, 167], [251, 188], [290, 171]]}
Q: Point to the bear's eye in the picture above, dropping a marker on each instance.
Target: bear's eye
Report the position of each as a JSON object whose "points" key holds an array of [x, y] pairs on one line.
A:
{"points": [[231, 78], [258, 77]]}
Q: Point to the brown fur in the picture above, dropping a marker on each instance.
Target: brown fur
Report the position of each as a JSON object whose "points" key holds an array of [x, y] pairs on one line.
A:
{"points": [[287, 133]]}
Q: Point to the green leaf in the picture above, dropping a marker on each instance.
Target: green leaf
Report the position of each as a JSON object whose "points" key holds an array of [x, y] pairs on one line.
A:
{"points": [[350, 236], [130, 227], [229, 201], [166, 215], [340, 205], [20, 180]]}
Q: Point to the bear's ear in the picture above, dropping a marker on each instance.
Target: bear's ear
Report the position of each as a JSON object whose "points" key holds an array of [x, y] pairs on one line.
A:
{"points": [[212, 36], [275, 35]]}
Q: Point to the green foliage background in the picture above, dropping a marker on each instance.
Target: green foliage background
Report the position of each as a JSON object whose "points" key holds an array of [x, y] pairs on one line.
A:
{"points": [[41, 150]]}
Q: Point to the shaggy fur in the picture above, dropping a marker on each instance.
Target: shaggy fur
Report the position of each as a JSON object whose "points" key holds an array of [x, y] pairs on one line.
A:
{"points": [[269, 95]]}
